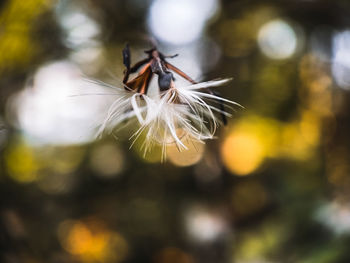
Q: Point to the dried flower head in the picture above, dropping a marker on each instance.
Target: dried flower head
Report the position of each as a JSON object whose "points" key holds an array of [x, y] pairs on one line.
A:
{"points": [[177, 113]]}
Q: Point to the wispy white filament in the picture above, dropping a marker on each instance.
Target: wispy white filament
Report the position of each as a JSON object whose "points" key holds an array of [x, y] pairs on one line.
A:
{"points": [[183, 113], [127, 105], [172, 117]]}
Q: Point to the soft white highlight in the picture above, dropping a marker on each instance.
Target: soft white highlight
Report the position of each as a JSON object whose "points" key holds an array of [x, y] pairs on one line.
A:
{"points": [[277, 39], [180, 22], [47, 114], [341, 59]]}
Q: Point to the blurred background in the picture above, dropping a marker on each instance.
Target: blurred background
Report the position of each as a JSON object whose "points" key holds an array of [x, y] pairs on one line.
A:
{"points": [[274, 185]]}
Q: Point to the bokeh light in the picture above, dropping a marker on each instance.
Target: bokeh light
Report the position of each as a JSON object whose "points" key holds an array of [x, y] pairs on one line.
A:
{"points": [[254, 139], [203, 225], [80, 28], [48, 113], [242, 153], [81, 34], [181, 21], [336, 216], [249, 143], [51, 168], [341, 59], [277, 39], [21, 153], [188, 157], [17, 45], [91, 241]]}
